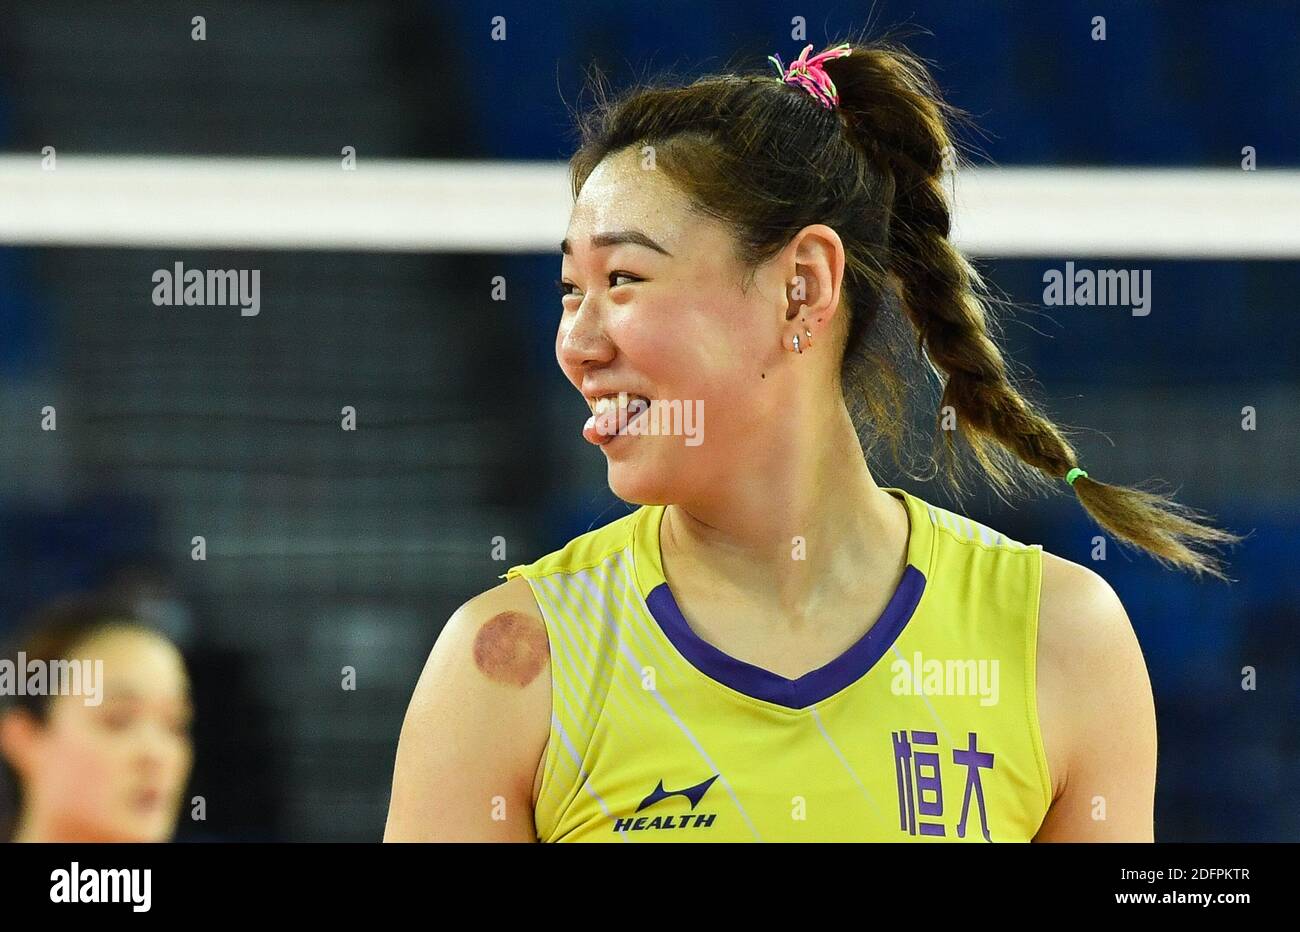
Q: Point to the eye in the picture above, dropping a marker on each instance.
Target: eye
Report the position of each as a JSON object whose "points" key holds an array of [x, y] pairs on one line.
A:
{"points": [[117, 719], [567, 288]]}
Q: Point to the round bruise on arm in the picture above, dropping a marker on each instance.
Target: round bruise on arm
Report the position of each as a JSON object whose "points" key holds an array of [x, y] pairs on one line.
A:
{"points": [[511, 648]]}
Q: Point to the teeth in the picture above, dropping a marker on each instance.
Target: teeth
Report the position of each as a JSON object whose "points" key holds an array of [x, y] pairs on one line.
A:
{"points": [[608, 404]]}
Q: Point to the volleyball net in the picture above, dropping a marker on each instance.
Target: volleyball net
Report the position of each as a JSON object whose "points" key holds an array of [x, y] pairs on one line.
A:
{"points": [[523, 207]]}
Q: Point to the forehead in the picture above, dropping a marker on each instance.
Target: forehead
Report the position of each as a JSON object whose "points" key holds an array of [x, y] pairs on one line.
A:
{"points": [[137, 662], [622, 194]]}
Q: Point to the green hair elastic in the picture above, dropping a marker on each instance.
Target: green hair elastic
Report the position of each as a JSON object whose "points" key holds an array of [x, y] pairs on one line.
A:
{"points": [[1073, 474]]}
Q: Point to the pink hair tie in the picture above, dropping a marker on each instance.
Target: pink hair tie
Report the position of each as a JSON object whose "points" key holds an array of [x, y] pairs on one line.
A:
{"points": [[809, 74]]}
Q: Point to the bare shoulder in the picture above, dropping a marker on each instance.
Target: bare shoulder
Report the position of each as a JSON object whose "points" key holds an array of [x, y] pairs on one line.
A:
{"points": [[1078, 613], [1095, 704], [504, 632], [477, 724]]}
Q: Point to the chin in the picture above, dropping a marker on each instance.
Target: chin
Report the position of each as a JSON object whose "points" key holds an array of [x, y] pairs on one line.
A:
{"points": [[644, 480], [656, 471], [145, 831], [633, 486]]}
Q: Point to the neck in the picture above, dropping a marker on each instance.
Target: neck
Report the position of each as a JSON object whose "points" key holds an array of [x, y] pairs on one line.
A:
{"points": [[30, 828], [808, 520]]}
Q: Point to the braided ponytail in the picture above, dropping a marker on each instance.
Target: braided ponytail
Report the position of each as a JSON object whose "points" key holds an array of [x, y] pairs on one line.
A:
{"points": [[897, 119]]}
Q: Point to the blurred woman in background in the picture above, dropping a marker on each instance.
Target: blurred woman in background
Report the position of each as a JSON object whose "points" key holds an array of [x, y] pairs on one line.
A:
{"points": [[106, 766]]}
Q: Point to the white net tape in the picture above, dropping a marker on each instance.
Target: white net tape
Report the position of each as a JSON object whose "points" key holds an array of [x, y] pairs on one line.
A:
{"points": [[431, 206]]}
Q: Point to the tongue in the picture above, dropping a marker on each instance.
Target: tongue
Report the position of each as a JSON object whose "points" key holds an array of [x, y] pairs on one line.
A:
{"points": [[602, 428], [591, 431]]}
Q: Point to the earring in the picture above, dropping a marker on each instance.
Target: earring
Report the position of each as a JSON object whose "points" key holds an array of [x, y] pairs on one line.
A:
{"points": [[795, 340], [808, 337]]}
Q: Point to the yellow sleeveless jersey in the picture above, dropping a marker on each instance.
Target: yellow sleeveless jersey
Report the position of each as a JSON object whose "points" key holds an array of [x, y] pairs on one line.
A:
{"points": [[926, 729]]}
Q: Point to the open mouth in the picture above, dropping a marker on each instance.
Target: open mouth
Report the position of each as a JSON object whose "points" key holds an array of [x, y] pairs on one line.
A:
{"points": [[611, 415]]}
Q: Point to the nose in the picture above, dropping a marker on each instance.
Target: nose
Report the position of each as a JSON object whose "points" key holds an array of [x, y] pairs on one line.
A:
{"points": [[582, 340]]}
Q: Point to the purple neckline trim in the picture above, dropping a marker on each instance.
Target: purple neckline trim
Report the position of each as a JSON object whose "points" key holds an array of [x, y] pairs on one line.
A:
{"points": [[813, 686]]}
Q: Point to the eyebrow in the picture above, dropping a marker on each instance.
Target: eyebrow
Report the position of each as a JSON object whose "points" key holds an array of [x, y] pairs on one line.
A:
{"points": [[636, 237], [184, 702]]}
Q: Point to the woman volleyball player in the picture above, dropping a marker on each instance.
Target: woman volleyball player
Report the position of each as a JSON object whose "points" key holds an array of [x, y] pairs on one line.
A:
{"points": [[773, 647]]}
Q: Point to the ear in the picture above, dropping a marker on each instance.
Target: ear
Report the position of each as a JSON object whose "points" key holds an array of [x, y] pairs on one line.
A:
{"points": [[815, 258], [19, 734]]}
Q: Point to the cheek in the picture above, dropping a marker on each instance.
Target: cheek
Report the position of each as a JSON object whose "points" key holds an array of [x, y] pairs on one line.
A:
{"points": [[83, 767], [717, 346], [651, 340]]}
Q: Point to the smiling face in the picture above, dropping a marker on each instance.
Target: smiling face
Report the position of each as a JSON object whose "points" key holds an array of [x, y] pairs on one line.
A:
{"points": [[113, 771], [654, 308]]}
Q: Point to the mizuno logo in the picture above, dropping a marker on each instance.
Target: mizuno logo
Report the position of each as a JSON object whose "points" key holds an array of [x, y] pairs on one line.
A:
{"points": [[672, 820]]}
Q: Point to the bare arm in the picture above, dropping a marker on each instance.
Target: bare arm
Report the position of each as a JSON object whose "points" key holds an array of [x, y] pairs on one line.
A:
{"points": [[476, 727], [1096, 710]]}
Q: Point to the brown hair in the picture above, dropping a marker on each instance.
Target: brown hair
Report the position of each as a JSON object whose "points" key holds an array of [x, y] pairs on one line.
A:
{"points": [[767, 159]]}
